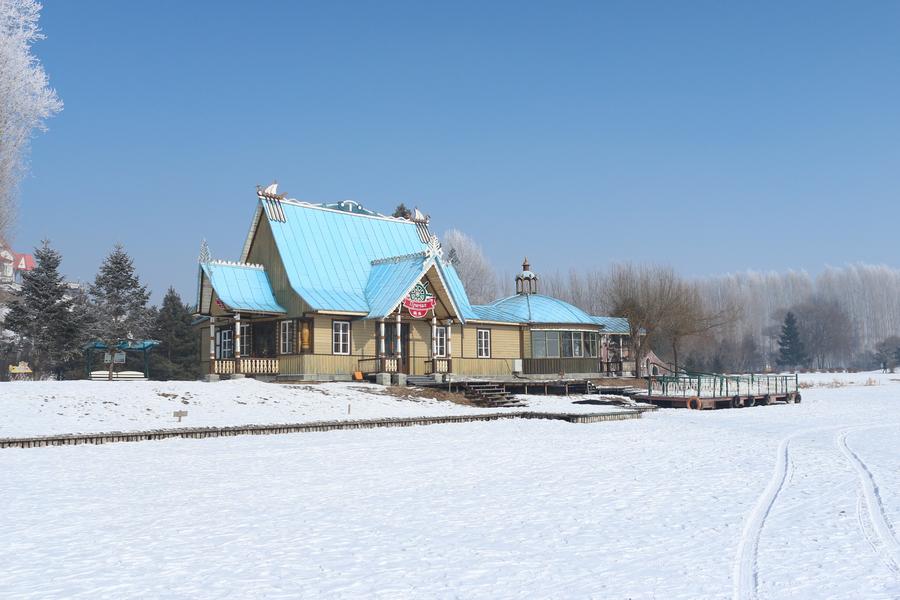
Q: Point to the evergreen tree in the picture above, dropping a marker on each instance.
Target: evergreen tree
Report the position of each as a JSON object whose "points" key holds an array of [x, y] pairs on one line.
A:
{"points": [[42, 315], [402, 212], [120, 302], [791, 352], [176, 356]]}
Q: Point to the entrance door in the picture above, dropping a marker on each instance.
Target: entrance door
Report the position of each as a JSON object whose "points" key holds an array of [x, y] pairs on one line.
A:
{"points": [[390, 344]]}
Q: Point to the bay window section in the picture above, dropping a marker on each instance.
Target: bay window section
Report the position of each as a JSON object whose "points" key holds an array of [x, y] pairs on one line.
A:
{"points": [[563, 344], [539, 344]]}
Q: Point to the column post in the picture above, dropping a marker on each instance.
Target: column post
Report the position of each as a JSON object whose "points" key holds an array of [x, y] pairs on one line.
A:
{"points": [[450, 344], [399, 349], [433, 339], [212, 345], [237, 343]]}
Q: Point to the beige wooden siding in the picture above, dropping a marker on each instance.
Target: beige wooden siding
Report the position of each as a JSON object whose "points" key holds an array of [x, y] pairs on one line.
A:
{"points": [[504, 341], [263, 251], [482, 366]]}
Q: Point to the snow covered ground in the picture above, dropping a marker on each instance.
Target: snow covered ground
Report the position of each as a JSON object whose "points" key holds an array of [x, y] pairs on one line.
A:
{"points": [[786, 501], [53, 407]]}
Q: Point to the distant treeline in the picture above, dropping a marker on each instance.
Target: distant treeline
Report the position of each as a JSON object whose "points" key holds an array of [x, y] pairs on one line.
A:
{"points": [[847, 317]]}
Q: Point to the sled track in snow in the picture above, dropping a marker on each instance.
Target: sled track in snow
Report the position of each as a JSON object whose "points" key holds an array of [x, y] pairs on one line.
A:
{"points": [[887, 546], [745, 569]]}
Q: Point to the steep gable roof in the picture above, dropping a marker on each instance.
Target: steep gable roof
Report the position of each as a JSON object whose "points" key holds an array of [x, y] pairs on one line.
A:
{"points": [[327, 253]]}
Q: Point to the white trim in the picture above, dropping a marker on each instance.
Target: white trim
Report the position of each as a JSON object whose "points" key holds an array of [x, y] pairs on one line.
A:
{"points": [[305, 204]]}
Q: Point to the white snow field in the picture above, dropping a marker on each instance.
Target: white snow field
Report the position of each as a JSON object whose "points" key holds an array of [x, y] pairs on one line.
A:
{"points": [[786, 501], [56, 407]]}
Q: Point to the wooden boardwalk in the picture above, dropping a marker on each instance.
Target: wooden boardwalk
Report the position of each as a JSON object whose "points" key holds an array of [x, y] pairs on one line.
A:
{"points": [[213, 432]]}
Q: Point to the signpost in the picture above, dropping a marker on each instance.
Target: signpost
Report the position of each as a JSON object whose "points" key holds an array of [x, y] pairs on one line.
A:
{"points": [[179, 414], [419, 302]]}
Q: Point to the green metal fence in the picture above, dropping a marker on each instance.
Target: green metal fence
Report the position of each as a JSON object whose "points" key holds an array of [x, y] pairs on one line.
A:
{"points": [[710, 385]]}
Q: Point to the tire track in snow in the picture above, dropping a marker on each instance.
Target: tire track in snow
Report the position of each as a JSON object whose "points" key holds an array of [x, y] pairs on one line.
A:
{"points": [[888, 547], [745, 569], [745, 574]]}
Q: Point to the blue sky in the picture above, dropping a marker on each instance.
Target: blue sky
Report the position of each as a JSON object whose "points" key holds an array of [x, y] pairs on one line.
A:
{"points": [[711, 136]]}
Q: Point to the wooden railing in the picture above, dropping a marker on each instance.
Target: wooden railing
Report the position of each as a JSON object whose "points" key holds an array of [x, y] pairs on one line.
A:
{"points": [[247, 366], [555, 366], [386, 364], [438, 365]]}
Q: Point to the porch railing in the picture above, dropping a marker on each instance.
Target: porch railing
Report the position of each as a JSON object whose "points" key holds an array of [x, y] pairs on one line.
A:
{"points": [[438, 365], [245, 365], [385, 364], [554, 366], [710, 385]]}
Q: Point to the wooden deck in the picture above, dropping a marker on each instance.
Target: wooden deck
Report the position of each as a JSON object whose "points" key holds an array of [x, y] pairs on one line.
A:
{"points": [[715, 402]]}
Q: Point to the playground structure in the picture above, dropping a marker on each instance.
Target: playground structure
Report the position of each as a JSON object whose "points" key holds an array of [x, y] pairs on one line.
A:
{"points": [[711, 390]]}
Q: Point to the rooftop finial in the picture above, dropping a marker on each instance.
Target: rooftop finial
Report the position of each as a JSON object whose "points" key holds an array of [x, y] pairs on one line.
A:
{"points": [[526, 281], [204, 252], [525, 265]]}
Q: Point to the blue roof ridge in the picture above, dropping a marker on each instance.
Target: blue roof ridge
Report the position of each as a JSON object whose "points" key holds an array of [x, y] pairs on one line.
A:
{"points": [[328, 207], [234, 263], [398, 258]]}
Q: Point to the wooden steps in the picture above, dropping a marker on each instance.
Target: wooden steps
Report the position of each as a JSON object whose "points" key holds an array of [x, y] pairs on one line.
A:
{"points": [[489, 395]]}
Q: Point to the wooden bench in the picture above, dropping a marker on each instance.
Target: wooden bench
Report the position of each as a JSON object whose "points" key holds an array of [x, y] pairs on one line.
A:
{"points": [[120, 376]]}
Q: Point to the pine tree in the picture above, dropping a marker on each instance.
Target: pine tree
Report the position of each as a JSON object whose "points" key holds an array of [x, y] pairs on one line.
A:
{"points": [[791, 352], [402, 212], [42, 315], [176, 356], [120, 302]]}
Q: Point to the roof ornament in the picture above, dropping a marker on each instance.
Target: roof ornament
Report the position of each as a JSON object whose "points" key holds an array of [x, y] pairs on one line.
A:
{"points": [[204, 253], [453, 257], [434, 247], [526, 281], [419, 217], [271, 201]]}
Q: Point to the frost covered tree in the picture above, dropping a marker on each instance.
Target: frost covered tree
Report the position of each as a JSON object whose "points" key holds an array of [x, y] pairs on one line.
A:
{"points": [[43, 316], [176, 356], [476, 273], [120, 302], [26, 98], [791, 353]]}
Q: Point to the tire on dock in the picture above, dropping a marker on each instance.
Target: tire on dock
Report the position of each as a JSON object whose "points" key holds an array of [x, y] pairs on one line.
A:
{"points": [[749, 401], [693, 403], [765, 400], [736, 402]]}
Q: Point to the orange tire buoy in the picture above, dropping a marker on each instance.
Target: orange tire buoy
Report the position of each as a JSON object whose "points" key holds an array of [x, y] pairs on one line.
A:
{"points": [[694, 403]]}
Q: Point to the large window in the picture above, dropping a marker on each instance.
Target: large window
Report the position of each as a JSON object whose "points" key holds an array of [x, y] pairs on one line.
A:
{"points": [[288, 335], [340, 337], [440, 342], [563, 344], [246, 342], [225, 343], [484, 343]]}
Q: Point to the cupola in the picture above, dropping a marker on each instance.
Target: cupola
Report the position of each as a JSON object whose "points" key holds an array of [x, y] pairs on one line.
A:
{"points": [[526, 281]]}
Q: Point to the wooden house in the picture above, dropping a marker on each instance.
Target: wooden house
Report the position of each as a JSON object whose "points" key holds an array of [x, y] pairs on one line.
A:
{"points": [[323, 291]]}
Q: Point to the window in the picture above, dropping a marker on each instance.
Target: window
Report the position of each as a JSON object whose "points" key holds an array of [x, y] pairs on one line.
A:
{"points": [[590, 344], [440, 342], [340, 337], [565, 343], [577, 344], [288, 334], [552, 344], [539, 344], [246, 342], [225, 343], [484, 343]]}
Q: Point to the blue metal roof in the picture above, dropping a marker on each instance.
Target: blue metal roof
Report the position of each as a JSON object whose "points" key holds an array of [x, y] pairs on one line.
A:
{"points": [[328, 253], [457, 290], [390, 280], [242, 287], [613, 324], [534, 308]]}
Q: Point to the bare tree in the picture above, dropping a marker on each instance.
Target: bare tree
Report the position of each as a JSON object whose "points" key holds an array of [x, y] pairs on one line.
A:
{"points": [[647, 295], [476, 273], [689, 316], [26, 99]]}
